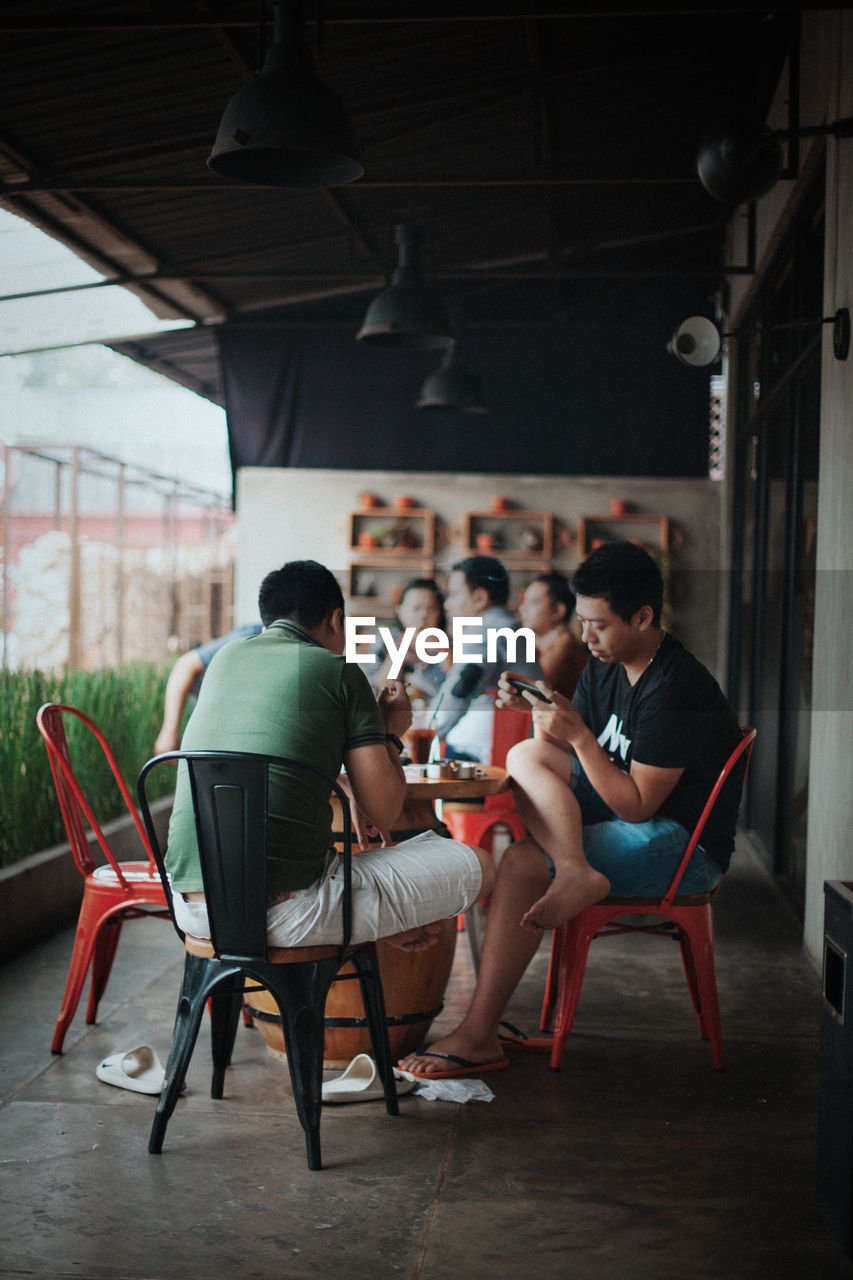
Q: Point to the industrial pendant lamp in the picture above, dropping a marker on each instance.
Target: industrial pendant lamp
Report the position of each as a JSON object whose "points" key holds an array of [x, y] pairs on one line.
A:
{"points": [[453, 385], [407, 313], [286, 128]]}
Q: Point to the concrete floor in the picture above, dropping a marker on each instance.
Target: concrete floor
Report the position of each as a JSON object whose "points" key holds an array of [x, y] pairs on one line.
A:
{"points": [[637, 1162]]}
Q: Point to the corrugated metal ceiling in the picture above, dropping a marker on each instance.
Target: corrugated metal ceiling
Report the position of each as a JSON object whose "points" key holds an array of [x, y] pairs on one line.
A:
{"points": [[548, 153]]}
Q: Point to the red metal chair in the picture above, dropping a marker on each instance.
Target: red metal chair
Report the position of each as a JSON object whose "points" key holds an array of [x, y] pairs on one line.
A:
{"points": [[477, 823], [474, 823], [686, 919], [112, 891]]}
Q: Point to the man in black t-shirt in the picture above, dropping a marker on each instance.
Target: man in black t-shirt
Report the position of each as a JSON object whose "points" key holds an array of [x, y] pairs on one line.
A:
{"points": [[609, 788]]}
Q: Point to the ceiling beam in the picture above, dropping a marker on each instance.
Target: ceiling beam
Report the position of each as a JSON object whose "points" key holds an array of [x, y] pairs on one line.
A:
{"points": [[374, 14], [104, 186]]}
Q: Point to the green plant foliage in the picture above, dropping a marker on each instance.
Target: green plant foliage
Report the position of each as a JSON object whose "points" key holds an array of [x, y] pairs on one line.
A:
{"points": [[126, 703]]}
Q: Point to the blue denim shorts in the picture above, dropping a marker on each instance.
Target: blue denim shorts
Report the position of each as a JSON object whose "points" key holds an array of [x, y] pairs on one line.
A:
{"points": [[638, 858]]}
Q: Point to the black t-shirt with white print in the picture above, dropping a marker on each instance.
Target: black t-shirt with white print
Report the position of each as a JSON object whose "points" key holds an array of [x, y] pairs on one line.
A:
{"points": [[675, 717]]}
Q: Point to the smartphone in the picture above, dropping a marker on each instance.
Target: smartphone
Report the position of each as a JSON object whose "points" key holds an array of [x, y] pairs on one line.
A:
{"points": [[524, 686]]}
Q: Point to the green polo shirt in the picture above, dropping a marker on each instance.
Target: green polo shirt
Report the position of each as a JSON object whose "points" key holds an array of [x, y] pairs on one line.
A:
{"points": [[279, 693]]}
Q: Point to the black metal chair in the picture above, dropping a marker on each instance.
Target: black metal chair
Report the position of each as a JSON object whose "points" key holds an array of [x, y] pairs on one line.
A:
{"points": [[229, 794]]}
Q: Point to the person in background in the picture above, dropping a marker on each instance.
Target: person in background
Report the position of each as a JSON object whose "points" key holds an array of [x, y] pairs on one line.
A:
{"points": [[421, 605], [477, 588], [547, 607], [185, 680]]}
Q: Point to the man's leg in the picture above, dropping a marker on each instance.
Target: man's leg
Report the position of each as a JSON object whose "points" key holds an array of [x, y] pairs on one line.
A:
{"points": [[422, 936], [541, 776], [508, 948]]}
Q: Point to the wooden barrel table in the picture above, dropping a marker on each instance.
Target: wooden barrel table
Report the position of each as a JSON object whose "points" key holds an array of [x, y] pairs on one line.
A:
{"points": [[414, 982]]}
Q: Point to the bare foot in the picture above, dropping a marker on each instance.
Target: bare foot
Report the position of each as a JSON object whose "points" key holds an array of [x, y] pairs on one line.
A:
{"points": [[566, 897], [458, 1045], [417, 939]]}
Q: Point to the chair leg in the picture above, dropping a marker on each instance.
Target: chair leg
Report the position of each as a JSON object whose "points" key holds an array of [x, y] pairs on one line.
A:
{"points": [[549, 1000], [225, 1007], [475, 924], [373, 999], [576, 937], [692, 981], [697, 953], [85, 937], [199, 976], [103, 955], [301, 999]]}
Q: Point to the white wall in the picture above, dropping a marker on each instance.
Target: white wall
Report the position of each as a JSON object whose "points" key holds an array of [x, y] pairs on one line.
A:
{"points": [[287, 514]]}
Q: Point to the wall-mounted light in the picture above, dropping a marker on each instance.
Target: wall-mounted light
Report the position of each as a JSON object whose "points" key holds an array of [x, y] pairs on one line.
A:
{"points": [[408, 313], [697, 340], [286, 128], [740, 159]]}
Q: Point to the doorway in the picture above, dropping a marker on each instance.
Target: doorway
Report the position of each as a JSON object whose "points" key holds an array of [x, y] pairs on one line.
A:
{"points": [[777, 406]]}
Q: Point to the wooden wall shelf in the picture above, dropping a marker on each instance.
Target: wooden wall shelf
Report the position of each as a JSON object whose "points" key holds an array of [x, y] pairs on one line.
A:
{"points": [[651, 530], [375, 584], [518, 535], [392, 531]]}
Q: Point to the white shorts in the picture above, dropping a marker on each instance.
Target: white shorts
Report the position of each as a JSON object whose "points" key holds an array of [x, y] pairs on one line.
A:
{"points": [[416, 882]]}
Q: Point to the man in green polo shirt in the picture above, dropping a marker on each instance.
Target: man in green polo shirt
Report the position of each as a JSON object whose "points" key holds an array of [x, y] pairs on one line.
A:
{"points": [[290, 692]]}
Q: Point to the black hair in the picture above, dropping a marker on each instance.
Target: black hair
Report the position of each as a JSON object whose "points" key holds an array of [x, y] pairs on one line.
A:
{"points": [[301, 590], [426, 584], [625, 576], [559, 590], [486, 571]]}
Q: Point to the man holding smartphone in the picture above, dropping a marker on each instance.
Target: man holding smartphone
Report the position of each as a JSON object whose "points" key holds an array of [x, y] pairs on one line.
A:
{"points": [[609, 788]]}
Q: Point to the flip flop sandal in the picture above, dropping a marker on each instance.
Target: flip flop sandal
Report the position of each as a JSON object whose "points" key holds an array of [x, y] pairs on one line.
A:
{"points": [[463, 1067], [526, 1044], [139, 1070], [360, 1083]]}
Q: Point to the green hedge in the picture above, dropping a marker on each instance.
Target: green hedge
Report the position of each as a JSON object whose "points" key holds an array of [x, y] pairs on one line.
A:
{"points": [[126, 703]]}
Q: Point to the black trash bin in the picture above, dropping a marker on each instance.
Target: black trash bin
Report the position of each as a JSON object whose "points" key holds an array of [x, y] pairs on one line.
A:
{"points": [[835, 1121]]}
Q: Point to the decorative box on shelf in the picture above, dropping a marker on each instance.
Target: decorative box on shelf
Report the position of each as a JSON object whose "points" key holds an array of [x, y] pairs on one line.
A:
{"points": [[509, 534], [375, 586], [397, 531], [634, 526]]}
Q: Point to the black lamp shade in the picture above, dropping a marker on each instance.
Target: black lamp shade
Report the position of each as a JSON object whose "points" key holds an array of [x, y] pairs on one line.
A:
{"points": [[286, 128], [407, 313], [452, 386], [739, 160]]}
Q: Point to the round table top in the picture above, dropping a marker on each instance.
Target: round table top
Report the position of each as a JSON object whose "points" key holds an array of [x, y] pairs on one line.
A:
{"points": [[489, 781]]}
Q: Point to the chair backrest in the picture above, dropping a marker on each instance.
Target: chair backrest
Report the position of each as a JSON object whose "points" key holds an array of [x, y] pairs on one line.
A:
{"points": [[742, 752], [230, 792], [73, 802], [508, 727]]}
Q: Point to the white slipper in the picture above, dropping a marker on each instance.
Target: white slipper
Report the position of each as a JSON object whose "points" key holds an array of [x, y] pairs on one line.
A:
{"points": [[138, 1069], [360, 1083]]}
